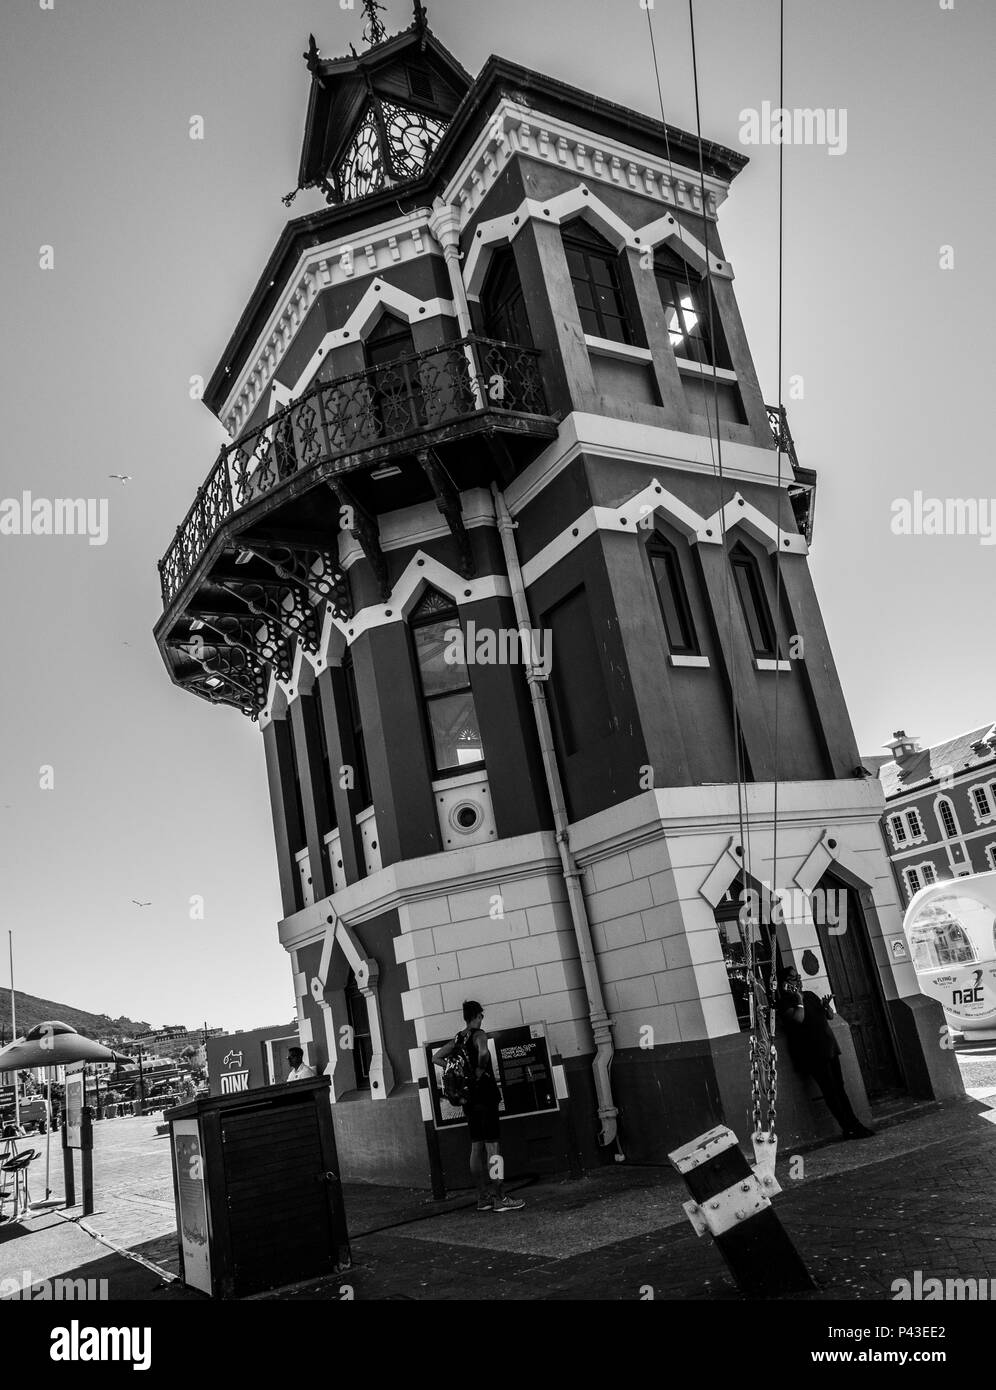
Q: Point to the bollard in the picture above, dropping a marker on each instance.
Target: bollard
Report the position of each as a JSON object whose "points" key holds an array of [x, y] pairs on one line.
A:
{"points": [[732, 1202]]}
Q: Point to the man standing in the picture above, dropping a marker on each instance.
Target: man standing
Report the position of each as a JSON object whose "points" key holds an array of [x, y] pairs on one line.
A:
{"points": [[814, 1049], [481, 1112], [299, 1071]]}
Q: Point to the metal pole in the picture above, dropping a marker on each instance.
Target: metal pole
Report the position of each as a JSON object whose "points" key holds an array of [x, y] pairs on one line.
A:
{"points": [[13, 1028], [48, 1139]]}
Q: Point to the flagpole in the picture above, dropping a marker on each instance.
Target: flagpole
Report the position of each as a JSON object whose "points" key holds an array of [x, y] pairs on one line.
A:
{"points": [[13, 1027]]}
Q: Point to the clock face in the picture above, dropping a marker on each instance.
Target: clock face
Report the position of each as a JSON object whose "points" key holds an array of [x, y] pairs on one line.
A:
{"points": [[412, 137], [362, 168]]}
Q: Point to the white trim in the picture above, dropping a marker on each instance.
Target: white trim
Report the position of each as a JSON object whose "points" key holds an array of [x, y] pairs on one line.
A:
{"points": [[990, 801], [700, 369], [990, 850], [699, 661], [763, 663], [318, 268], [564, 207], [954, 816], [363, 816], [918, 869], [462, 779], [515, 128], [626, 352]]}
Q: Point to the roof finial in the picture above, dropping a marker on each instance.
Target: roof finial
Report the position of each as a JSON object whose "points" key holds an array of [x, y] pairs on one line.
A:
{"points": [[421, 18], [313, 54], [374, 28]]}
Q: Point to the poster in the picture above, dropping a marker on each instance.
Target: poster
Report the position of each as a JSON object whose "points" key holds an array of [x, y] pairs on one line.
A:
{"points": [[75, 1101], [192, 1217], [520, 1058]]}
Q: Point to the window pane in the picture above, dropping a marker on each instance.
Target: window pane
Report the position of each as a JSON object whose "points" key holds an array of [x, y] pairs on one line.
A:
{"points": [[589, 322], [670, 590], [432, 643], [456, 737], [583, 294]]}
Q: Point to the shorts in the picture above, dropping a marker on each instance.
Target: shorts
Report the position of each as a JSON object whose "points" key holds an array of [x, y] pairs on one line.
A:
{"points": [[482, 1120]]}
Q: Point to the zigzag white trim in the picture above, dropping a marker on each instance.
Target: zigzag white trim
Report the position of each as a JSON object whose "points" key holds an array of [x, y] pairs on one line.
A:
{"points": [[581, 200], [656, 498]]}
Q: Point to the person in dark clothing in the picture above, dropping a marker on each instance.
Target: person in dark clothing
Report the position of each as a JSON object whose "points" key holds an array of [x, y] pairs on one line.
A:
{"points": [[814, 1049], [481, 1112]]}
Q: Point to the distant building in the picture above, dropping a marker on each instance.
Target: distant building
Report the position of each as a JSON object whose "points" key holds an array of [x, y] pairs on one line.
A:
{"points": [[940, 816]]}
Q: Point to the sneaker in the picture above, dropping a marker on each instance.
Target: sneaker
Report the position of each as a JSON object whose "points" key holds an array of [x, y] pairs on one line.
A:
{"points": [[486, 1204], [508, 1204]]}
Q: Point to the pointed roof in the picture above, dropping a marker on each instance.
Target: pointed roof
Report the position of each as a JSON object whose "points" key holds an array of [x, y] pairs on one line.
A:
{"points": [[412, 67]]}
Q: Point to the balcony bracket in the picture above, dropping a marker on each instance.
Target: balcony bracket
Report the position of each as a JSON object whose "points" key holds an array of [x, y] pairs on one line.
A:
{"points": [[315, 571], [281, 605], [363, 527], [450, 507], [228, 675], [257, 637]]}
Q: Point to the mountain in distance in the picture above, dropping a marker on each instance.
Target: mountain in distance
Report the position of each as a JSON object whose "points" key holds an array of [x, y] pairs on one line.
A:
{"points": [[32, 1010]]}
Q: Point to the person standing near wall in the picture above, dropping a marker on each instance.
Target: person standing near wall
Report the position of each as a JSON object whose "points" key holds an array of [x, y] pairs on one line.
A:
{"points": [[813, 1048], [481, 1112]]}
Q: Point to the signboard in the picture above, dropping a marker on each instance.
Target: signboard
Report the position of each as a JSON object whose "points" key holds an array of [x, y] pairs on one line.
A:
{"points": [[7, 1100], [520, 1058], [239, 1062], [233, 1081], [75, 1100], [193, 1217], [968, 995]]}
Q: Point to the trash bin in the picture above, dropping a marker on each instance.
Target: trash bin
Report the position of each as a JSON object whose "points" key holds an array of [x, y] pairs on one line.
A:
{"points": [[257, 1190]]}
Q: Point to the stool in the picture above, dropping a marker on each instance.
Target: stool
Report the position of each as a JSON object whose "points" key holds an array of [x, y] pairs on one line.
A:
{"points": [[18, 1166]]}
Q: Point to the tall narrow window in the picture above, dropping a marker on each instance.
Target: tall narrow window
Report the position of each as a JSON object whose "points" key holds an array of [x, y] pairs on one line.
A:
{"points": [[594, 267], [673, 597], [898, 830], [299, 841], [447, 698], [361, 774], [690, 312], [502, 301], [946, 815], [915, 823], [913, 883], [750, 587], [396, 392], [929, 873], [359, 1022], [738, 925], [981, 797], [323, 744]]}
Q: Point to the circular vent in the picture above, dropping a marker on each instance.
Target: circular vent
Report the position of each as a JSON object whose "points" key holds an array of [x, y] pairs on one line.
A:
{"points": [[466, 816]]}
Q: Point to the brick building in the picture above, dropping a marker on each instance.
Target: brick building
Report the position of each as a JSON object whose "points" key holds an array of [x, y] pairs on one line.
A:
{"points": [[501, 386]]}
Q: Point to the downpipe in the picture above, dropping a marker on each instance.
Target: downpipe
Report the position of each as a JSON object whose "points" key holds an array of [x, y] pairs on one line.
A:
{"points": [[601, 1024]]}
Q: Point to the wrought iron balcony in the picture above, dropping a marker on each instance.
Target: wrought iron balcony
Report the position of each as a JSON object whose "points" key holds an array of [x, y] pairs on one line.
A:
{"points": [[348, 422], [802, 490]]}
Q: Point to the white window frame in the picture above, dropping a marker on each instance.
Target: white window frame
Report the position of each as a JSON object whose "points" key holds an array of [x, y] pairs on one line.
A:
{"points": [[916, 836], [946, 801], [987, 792], [897, 842], [920, 870], [991, 853]]}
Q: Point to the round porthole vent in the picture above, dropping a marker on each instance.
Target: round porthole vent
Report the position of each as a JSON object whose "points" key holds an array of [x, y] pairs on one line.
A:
{"points": [[466, 817]]}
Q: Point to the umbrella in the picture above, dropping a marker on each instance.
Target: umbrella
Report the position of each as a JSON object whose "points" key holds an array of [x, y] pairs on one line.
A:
{"points": [[53, 1044]]}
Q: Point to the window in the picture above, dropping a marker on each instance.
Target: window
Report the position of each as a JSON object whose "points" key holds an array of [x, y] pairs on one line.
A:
{"points": [[913, 884], [672, 595], [736, 925], [359, 1022], [898, 830], [395, 391], [929, 874], [915, 823], [298, 840], [938, 940], [688, 307], [361, 775], [991, 852], [447, 698], [593, 266], [981, 798], [946, 816], [750, 587], [323, 744], [502, 301]]}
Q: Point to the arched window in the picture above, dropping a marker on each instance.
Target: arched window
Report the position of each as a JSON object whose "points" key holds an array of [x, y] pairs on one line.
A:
{"points": [[690, 312], [750, 587], [946, 816], [395, 390], [594, 268], [447, 699], [502, 303], [673, 597]]}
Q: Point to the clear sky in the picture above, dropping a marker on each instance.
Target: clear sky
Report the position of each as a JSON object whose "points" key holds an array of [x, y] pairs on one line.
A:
{"points": [[158, 240]]}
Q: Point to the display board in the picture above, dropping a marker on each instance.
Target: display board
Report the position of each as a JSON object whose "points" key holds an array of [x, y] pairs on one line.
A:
{"points": [[7, 1100], [75, 1100], [192, 1205], [520, 1058]]}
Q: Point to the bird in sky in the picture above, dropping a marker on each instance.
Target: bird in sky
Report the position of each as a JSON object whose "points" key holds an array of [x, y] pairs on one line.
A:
{"points": [[121, 477], [138, 904]]}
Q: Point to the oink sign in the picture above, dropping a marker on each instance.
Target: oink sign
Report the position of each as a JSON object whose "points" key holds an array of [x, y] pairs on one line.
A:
{"points": [[245, 1061], [951, 930]]}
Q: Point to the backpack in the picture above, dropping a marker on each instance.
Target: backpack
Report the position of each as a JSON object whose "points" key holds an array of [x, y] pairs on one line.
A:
{"points": [[458, 1072]]}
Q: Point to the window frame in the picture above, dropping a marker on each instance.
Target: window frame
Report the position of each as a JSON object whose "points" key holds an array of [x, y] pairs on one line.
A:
{"points": [[578, 236], [678, 273], [354, 716], [728, 909], [743, 560], [504, 265], [660, 548], [451, 618], [352, 994]]}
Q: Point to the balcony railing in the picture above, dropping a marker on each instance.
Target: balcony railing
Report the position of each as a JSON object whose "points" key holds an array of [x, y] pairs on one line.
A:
{"points": [[353, 415]]}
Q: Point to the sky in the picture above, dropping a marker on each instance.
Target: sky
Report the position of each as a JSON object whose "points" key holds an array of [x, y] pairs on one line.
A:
{"points": [[155, 797]]}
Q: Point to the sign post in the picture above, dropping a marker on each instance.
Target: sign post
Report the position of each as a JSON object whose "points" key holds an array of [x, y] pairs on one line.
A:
{"points": [[77, 1133]]}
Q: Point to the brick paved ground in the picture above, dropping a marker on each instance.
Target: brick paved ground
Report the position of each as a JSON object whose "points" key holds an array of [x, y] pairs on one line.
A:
{"points": [[920, 1195]]}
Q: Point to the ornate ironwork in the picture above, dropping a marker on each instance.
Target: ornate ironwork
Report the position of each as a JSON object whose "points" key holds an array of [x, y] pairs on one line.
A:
{"points": [[450, 506], [354, 518], [374, 28], [257, 636], [313, 569], [802, 490], [348, 417], [281, 605], [227, 675]]}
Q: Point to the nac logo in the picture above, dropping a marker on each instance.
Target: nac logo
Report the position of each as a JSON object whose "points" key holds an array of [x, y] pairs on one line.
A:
{"points": [[972, 995]]}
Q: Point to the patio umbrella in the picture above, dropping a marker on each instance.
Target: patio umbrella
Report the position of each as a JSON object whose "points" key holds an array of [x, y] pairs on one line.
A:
{"points": [[53, 1044]]}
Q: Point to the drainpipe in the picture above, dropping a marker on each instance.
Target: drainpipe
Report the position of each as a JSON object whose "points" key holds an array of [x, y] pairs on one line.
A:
{"points": [[444, 224], [601, 1024]]}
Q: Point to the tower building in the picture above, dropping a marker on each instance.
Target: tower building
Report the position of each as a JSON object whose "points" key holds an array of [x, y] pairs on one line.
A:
{"points": [[507, 557]]}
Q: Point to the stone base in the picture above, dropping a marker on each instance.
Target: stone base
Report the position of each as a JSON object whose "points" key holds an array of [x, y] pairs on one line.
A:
{"points": [[925, 1051]]}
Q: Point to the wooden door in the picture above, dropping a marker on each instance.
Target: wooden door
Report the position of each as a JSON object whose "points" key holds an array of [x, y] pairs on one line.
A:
{"points": [[857, 992]]}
